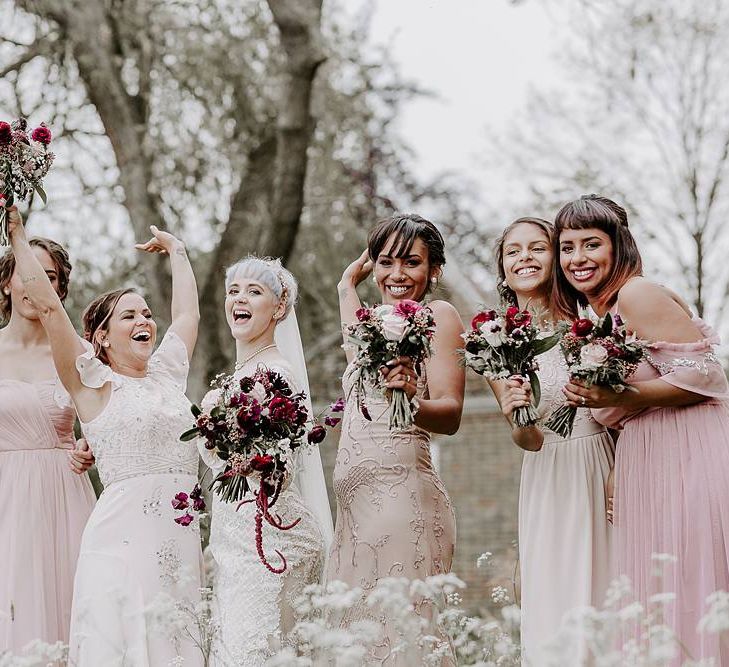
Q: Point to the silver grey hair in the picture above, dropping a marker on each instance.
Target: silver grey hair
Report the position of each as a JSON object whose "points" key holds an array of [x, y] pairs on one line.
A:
{"points": [[268, 272]]}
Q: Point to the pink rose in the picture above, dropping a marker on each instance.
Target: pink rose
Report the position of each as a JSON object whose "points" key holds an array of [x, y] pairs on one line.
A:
{"points": [[407, 308]]}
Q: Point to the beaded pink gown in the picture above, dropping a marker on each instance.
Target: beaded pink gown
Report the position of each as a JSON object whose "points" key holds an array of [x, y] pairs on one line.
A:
{"points": [[672, 491], [44, 508], [394, 519]]}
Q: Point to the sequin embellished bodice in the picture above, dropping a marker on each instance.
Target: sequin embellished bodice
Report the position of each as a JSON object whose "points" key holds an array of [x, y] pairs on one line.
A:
{"points": [[138, 433]]}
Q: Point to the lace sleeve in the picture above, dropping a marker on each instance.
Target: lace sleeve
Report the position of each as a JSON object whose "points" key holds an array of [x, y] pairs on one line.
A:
{"points": [[170, 358], [691, 366], [93, 372]]}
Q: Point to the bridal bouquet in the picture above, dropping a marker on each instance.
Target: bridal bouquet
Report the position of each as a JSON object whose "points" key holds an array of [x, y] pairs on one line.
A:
{"points": [[24, 162], [381, 334], [506, 342], [255, 425], [601, 353]]}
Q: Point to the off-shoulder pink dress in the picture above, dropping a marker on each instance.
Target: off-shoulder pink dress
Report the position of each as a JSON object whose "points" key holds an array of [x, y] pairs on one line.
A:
{"points": [[672, 491], [43, 510]]}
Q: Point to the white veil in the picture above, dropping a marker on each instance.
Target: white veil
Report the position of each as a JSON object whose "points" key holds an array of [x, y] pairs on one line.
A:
{"points": [[309, 475]]}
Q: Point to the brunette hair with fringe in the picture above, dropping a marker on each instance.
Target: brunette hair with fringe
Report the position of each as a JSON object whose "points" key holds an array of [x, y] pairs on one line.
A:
{"points": [[508, 295], [96, 316], [595, 212], [406, 227], [61, 261]]}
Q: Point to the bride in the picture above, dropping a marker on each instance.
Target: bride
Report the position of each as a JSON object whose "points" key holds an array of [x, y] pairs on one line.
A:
{"points": [[253, 605]]}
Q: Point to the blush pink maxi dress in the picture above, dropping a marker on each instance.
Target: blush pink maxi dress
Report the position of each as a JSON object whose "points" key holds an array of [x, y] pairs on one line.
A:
{"points": [[672, 491], [43, 510]]}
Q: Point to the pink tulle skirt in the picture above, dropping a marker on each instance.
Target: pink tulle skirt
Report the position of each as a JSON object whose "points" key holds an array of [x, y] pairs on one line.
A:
{"points": [[672, 498], [43, 510]]}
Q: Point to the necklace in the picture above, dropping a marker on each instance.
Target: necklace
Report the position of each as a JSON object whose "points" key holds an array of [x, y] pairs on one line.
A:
{"points": [[240, 364]]}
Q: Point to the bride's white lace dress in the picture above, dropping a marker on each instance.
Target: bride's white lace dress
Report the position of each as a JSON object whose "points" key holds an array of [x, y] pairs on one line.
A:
{"points": [[253, 606], [133, 554]]}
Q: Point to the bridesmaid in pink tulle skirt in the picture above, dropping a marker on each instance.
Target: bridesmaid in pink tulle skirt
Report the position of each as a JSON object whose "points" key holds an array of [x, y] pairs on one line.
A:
{"points": [[672, 459], [44, 504]]}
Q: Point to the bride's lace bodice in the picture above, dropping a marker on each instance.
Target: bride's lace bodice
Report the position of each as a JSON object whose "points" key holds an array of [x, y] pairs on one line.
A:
{"points": [[138, 432], [553, 375]]}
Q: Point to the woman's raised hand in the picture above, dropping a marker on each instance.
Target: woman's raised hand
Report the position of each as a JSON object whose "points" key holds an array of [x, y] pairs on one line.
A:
{"points": [[517, 393], [161, 242], [14, 221], [358, 270]]}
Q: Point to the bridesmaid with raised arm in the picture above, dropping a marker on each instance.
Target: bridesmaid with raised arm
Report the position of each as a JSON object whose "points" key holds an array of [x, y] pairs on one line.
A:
{"points": [[672, 460], [394, 517], [132, 407], [44, 505], [564, 535]]}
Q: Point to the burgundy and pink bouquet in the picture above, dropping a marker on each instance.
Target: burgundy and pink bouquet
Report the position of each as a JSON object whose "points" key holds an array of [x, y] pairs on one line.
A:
{"points": [[24, 162], [383, 333], [601, 353], [255, 426], [506, 342]]}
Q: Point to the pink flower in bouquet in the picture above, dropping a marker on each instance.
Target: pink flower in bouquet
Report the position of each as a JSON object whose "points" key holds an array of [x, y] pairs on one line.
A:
{"points": [[593, 355], [407, 308], [179, 502], [338, 405], [582, 327], [6, 133], [331, 421], [42, 135], [185, 519], [484, 316], [316, 435]]}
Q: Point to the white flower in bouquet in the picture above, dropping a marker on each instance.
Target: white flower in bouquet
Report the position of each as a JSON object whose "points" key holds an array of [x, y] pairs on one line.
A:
{"points": [[593, 355], [381, 311], [394, 326]]}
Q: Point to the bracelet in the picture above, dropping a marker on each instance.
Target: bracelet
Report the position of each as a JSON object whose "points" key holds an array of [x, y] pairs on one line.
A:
{"points": [[414, 406]]}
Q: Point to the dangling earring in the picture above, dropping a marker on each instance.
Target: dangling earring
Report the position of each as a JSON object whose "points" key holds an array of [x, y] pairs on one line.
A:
{"points": [[105, 343], [434, 281], [505, 284], [374, 278], [6, 292]]}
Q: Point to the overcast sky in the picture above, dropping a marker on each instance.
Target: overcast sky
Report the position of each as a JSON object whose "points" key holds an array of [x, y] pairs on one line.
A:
{"points": [[479, 56]]}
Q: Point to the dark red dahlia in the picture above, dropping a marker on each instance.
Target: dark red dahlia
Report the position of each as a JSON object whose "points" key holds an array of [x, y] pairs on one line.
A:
{"points": [[316, 435], [516, 318], [407, 308], [483, 316], [582, 327], [6, 132], [363, 314], [41, 134]]}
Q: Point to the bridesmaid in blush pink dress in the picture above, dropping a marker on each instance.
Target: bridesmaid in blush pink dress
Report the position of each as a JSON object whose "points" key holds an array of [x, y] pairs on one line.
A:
{"points": [[394, 516], [44, 505], [672, 459]]}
